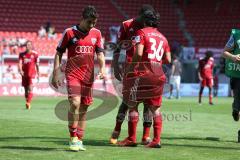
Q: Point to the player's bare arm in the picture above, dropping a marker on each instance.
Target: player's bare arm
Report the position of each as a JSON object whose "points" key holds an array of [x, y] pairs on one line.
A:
{"points": [[173, 70], [57, 62], [227, 54], [136, 57], [101, 61], [37, 69], [20, 67], [168, 57], [117, 71], [199, 74]]}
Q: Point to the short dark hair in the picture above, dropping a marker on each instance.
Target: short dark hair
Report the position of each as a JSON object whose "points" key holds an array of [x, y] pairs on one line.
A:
{"points": [[209, 54], [89, 12], [28, 41]]}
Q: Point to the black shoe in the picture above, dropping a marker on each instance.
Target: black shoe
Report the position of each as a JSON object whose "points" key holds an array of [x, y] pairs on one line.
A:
{"points": [[210, 103], [238, 136], [235, 115]]}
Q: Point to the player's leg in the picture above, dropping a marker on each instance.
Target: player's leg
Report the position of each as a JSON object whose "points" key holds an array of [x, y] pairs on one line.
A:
{"points": [[210, 95], [74, 98], [30, 94], [235, 85], [178, 82], [119, 120], [25, 86], [200, 94], [147, 123], [133, 118], [73, 119], [157, 127], [210, 84], [28, 87], [202, 85], [154, 106], [170, 87]]}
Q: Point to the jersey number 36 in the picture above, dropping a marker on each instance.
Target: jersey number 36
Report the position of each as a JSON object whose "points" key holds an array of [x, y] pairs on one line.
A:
{"points": [[157, 50]]}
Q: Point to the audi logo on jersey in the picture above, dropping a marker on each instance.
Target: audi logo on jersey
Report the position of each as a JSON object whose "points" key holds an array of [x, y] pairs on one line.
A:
{"points": [[84, 49], [26, 60]]}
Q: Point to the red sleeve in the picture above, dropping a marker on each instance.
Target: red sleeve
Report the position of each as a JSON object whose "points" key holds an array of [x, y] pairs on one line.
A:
{"points": [[122, 33], [62, 45], [140, 37], [167, 48]]}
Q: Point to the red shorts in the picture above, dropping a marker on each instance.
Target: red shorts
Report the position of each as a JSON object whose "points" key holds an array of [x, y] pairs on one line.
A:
{"points": [[207, 82], [143, 89], [26, 81], [76, 87]]}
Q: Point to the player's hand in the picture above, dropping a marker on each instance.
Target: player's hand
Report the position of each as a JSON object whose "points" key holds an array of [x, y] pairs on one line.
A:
{"points": [[101, 75], [236, 58], [21, 73], [117, 73], [55, 80], [38, 78]]}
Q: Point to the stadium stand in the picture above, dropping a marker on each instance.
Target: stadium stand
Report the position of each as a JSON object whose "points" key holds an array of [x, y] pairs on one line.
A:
{"points": [[209, 22]]}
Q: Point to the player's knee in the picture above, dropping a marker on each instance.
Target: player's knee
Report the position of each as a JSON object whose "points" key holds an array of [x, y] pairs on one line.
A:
{"points": [[74, 103]]}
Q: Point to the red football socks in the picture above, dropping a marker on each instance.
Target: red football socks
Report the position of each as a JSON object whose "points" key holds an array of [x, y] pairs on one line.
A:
{"points": [[146, 132], [157, 128], [29, 97], [80, 133], [72, 131], [132, 125]]}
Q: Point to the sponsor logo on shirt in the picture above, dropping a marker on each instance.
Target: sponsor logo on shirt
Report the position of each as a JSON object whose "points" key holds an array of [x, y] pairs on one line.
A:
{"points": [[84, 49], [26, 60]]}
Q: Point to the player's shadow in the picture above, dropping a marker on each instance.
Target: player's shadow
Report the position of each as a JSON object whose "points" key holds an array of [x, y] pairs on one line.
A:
{"points": [[216, 139], [57, 140], [202, 146], [92, 142], [31, 148]]}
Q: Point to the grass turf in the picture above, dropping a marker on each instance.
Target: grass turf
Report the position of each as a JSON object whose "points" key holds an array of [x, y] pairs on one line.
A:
{"points": [[190, 132]]}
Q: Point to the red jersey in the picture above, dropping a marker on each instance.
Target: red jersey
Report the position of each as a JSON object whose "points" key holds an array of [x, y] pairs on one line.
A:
{"points": [[29, 61], [206, 67], [81, 50], [155, 47], [128, 32]]}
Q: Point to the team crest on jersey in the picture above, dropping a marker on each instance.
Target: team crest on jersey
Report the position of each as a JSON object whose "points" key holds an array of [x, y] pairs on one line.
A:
{"points": [[74, 40], [94, 40], [137, 39]]}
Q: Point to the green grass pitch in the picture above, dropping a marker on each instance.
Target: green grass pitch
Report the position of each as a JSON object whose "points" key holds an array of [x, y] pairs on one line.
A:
{"points": [[190, 131]]}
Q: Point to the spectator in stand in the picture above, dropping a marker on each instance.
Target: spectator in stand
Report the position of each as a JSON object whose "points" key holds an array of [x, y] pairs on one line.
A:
{"points": [[52, 33], [42, 32], [47, 26], [21, 41], [114, 33], [8, 74], [5, 50]]}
